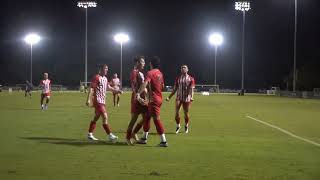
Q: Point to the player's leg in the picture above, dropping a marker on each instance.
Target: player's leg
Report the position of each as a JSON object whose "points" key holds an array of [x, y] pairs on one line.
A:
{"points": [[134, 117], [114, 99], [155, 114], [186, 107], [105, 123], [118, 99], [137, 128], [92, 126], [25, 93], [177, 116], [41, 101], [146, 128], [30, 93], [47, 101]]}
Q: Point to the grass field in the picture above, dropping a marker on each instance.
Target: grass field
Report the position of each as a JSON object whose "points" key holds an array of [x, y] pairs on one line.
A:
{"points": [[222, 143]]}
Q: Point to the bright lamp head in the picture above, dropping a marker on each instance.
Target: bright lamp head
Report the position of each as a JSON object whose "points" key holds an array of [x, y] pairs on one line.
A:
{"points": [[32, 39], [215, 39], [87, 4], [121, 38], [242, 6]]}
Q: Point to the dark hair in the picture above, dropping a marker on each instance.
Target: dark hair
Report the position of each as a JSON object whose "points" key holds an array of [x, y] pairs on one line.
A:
{"points": [[137, 59], [155, 61], [101, 66]]}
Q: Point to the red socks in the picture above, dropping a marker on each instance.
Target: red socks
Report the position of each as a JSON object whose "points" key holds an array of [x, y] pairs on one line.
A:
{"points": [[106, 128]]}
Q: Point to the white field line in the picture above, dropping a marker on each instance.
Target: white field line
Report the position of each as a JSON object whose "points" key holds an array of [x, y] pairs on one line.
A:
{"points": [[285, 131]]}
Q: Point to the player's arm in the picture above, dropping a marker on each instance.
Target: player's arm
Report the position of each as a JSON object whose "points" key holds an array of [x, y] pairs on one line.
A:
{"points": [[89, 96], [192, 88], [110, 88], [175, 88]]}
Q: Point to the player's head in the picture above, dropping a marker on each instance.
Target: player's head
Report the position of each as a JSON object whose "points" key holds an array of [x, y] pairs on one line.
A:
{"points": [[184, 69], [115, 75], [103, 69], [45, 75], [139, 62], [155, 62]]}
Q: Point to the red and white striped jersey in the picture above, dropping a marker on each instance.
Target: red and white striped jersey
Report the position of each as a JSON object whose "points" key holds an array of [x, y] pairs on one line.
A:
{"points": [[184, 85], [45, 85], [115, 83], [99, 84]]}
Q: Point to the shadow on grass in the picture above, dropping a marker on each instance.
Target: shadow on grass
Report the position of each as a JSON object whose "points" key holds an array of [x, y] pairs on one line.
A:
{"points": [[77, 142]]}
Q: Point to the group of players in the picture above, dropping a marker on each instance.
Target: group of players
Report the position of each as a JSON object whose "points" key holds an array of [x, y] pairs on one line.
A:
{"points": [[146, 99]]}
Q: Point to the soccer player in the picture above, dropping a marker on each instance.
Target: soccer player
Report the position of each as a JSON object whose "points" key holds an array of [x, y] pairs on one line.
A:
{"points": [[99, 86], [155, 83], [115, 83], [28, 89], [137, 107], [184, 86], [45, 85]]}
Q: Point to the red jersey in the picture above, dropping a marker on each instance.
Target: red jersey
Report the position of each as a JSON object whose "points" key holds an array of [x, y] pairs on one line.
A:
{"points": [[99, 84], [45, 85], [156, 84], [184, 85], [136, 79]]}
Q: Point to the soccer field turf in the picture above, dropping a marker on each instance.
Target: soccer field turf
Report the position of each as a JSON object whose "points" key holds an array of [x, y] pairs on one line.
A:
{"points": [[223, 143]]}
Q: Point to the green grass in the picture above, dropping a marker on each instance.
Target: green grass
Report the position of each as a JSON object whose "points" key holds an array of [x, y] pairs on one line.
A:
{"points": [[222, 143]]}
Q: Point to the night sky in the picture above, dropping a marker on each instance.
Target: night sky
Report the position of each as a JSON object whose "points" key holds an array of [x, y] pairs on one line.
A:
{"points": [[176, 31]]}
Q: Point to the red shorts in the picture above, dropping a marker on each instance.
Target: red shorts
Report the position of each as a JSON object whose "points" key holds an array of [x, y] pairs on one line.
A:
{"points": [[154, 108], [136, 107], [99, 108], [43, 95]]}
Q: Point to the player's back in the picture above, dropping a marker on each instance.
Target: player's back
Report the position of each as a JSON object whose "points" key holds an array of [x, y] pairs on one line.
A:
{"points": [[155, 77]]}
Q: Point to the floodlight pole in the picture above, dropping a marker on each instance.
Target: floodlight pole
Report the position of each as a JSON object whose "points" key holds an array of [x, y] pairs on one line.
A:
{"points": [[86, 50], [294, 47], [31, 64], [121, 64], [215, 64], [243, 36]]}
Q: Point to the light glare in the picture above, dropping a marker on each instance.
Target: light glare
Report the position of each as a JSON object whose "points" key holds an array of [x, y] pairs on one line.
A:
{"points": [[32, 39], [121, 38], [87, 4], [215, 39]]}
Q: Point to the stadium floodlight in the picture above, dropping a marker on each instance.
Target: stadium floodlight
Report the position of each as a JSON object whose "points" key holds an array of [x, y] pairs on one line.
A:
{"points": [[215, 39], [31, 39], [86, 5], [242, 6], [121, 38]]}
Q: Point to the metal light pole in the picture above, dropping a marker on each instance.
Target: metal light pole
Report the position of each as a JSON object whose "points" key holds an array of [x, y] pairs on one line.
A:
{"points": [[242, 6], [31, 39], [86, 5], [294, 46], [121, 38], [216, 40]]}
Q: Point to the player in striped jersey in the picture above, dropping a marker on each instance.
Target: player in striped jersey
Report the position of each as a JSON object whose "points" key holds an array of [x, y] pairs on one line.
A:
{"points": [[98, 89], [45, 85], [184, 86], [137, 107], [115, 83]]}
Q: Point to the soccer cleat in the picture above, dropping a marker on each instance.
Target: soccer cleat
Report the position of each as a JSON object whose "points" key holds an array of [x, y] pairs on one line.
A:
{"points": [[42, 107], [113, 138], [129, 142], [46, 107], [177, 129], [142, 141], [163, 144], [186, 129], [91, 137], [135, 137]]}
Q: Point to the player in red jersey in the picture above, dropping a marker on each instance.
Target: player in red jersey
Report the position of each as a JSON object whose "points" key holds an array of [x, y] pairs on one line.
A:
{"points": [[45, 85], [155, 83], [115, 83], [137, 107], [98, 89], [184, 86]]}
